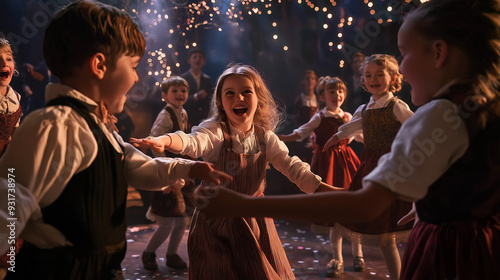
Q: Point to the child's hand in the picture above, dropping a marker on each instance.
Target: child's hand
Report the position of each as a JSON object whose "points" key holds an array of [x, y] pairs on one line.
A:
{"points": [[282, 137], [148, 142], [409, 217], [334, 140], [205, 171], [324, 187], [215, 202]]}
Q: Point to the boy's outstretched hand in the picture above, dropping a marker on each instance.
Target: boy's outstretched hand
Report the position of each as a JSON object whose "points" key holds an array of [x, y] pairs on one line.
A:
{"points": [[148, 142], [205, 171]]}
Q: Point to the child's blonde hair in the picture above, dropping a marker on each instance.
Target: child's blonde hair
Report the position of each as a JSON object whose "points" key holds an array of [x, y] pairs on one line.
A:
{"points": [[173, 81], [84, 28], [5, 46], [266, 114], [390, 64]]}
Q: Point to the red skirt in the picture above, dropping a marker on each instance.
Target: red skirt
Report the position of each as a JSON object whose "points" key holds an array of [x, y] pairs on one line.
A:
{"points": [[455, 250]]}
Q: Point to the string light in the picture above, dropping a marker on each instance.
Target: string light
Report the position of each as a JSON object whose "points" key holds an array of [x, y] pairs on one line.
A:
{"points": [[180, 19]]}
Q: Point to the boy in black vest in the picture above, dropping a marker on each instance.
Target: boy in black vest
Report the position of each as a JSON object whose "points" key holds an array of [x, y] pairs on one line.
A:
{"points": [[66, 167]]}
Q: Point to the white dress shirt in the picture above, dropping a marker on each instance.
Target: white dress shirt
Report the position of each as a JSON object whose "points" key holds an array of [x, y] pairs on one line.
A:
{"points": [[354, 128], [49, 147], [424, 148]]}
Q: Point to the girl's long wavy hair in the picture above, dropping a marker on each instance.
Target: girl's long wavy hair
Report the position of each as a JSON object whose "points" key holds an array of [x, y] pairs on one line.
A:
{"points": [[266, 115]]}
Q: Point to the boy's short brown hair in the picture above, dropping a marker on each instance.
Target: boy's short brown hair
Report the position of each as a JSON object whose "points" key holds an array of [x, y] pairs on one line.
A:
{"points": [[195, 50], [84, 28], [173, 81], [334, 82]]}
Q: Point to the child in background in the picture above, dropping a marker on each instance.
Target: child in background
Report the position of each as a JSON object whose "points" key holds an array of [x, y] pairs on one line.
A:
{"points": [[339, 163], [377, 123], [71, 170], [10, 108], [238, 137], [304, 107], [200, 87], [168, 208], [10, 115], [306, 104], [445, 158]]}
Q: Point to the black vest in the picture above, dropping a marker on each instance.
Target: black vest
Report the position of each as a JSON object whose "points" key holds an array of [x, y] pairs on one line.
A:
{"points": [[90, 212]]}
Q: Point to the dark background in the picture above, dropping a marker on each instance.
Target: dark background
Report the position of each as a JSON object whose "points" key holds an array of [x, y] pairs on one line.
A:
{"points": [[366, 26]]}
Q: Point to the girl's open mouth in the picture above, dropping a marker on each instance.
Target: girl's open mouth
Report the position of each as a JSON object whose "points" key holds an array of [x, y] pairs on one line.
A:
{"points": [[4, 74], [239, 111]]}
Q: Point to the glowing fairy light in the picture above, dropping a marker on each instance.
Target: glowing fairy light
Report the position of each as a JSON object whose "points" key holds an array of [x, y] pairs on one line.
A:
{"points": [[176, 20]]}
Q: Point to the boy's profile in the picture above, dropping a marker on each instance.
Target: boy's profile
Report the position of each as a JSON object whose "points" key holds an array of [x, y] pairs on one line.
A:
{"points": [[68, 169]]}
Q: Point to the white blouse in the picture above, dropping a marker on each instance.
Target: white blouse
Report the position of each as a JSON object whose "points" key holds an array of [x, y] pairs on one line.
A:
{"points": [[307, 129], [424, 148], [354, 128], [206, 140], [9, 104]]}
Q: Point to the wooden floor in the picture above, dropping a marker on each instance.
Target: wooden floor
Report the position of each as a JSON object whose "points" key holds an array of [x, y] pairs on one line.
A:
{"points": [[308, 254]]}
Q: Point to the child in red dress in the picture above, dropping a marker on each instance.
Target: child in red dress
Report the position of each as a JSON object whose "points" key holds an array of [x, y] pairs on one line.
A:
{"points": [[377, 123], [338, 164]]}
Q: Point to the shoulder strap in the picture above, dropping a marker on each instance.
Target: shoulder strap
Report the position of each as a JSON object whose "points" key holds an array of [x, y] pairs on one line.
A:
{"points": [[176, 126]]}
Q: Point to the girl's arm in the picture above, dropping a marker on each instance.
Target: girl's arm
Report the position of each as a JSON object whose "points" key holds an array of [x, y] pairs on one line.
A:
{"points": [[354, 128], [324, 187], [290, 137], [355, 207], [169, 141], [303, 131], [293, 168], [401, 111]]}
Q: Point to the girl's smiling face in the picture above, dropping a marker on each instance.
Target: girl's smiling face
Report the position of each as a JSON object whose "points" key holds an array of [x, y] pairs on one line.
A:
{"points": [[377, 79], [334, 96], [239, 101], [7, 67]]}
